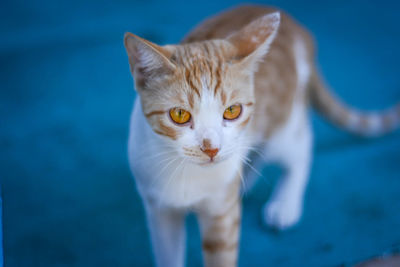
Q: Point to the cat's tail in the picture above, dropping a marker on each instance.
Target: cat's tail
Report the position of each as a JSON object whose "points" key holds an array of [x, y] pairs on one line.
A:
{"points": [[368, 124]]}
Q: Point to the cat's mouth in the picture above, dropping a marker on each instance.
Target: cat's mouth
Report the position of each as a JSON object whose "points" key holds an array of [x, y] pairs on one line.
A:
{"points": [[206, 162], [210, 161], [202, 160]]}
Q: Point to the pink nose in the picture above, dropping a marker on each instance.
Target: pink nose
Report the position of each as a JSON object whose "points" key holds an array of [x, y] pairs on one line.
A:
{"points": [[211, 152]]}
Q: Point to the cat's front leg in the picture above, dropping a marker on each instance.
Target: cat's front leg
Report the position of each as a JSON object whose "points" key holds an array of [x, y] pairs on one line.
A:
{"points": [[167, 235], [286, 204], [220, 227]]}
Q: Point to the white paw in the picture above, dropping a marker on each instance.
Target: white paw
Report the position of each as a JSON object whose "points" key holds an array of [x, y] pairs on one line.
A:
{"points": [[282, 214]]}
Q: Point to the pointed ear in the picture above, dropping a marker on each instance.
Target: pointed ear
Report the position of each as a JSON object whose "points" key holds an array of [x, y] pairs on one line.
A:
{"points": [[253, 41], [146, 59]]}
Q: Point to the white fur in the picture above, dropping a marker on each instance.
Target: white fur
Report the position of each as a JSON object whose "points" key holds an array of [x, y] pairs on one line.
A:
{"points": [[354, 120], [302, 65], [374, 122], [171, 183], [291, 147]]}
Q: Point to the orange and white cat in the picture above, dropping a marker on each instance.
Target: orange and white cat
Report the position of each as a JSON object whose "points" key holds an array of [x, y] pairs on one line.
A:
{"points": [[241, 80]]}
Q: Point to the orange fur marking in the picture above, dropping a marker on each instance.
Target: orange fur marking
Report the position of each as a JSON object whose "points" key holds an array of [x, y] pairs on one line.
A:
{"points": [[245, 122], [223, 98], [190, 82], [218, 85], [166, 130], [190, 97], [155, 112], [215, 246]]}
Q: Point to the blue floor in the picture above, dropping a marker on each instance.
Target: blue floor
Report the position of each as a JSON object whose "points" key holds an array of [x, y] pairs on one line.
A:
{"points": [[65, 100]]}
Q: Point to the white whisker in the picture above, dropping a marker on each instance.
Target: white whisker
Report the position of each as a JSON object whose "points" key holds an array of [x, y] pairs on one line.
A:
{"points": [[160, 173], [243, 183], [171, 177], [251, 167]]}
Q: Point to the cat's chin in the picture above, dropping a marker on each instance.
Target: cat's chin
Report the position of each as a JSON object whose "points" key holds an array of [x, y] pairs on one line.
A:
{"points": [[207, 163], [210, 162]]}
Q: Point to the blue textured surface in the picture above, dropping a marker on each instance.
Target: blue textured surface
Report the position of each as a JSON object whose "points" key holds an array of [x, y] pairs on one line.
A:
{"points": [[65, 99], [1, 230]]}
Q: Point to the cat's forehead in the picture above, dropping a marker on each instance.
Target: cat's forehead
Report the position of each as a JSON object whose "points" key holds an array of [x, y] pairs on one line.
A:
{"points": [[202, 68], [209, 52], [203, 75]]}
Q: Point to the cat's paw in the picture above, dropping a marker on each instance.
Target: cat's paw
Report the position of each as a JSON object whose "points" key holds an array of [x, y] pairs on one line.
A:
{"points": [[282, 214]]}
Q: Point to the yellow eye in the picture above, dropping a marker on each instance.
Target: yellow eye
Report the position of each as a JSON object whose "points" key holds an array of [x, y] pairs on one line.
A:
{"points": [[232, 112], [178, 115]]}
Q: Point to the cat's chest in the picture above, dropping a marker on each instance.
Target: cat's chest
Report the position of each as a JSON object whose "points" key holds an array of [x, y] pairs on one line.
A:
{"points": [[177, 183], [184, 184]]}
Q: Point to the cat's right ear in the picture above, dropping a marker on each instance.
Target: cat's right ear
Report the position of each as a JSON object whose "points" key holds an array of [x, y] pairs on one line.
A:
{"points": [[146, 59]]}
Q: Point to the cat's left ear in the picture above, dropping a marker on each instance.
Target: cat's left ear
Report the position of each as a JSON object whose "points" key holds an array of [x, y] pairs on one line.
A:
{"points": [[253, 41], [147, 60]]}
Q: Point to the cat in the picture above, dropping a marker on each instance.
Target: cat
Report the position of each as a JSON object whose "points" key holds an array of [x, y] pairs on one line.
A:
{"points": [[241, 81]]}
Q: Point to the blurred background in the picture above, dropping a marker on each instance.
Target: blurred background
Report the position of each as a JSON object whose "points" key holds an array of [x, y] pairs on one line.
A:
{"points": [[65, 100]]}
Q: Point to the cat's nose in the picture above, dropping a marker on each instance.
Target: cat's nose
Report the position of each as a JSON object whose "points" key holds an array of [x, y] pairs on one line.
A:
{"points": [[211, 152], [208, 148]]}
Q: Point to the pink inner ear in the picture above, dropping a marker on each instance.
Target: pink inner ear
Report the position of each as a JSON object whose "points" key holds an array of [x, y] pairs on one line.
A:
{"points": [[247, 43], [145, 56], [252, 36]]}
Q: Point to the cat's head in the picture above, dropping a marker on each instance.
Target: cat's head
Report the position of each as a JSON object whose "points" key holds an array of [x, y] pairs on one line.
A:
{"points": [[200, 96]]}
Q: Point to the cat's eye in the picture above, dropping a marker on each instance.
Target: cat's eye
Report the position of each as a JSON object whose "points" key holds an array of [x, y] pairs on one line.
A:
{"points": [[179, 116], [233, 112]]}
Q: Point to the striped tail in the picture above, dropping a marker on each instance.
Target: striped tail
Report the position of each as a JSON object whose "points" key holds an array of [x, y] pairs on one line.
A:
{"points": [[367, 124]]}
